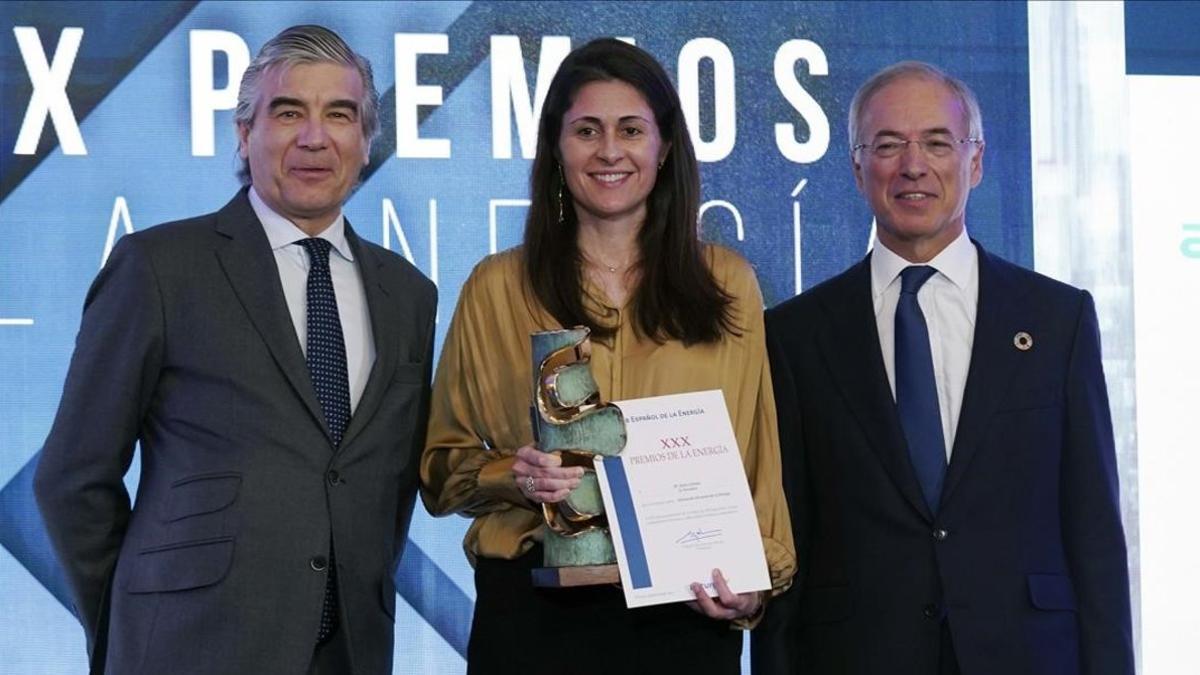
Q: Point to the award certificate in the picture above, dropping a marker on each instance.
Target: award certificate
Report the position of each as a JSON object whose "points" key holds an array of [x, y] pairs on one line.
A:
{"points": [[678, 503]]}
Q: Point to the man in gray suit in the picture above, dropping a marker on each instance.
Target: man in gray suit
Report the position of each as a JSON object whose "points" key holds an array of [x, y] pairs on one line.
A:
{"points": [[275, 369]]}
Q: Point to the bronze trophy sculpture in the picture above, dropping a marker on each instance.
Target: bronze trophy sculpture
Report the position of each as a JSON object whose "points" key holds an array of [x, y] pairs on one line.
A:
{"points": [[568, 417]]}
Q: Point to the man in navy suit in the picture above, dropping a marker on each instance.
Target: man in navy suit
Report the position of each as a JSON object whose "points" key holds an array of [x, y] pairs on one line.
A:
{"points": [[947, 445]]}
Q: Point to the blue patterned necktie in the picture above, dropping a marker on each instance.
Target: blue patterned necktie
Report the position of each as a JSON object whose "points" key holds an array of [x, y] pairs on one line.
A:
{"points": [[326, 356], [916, 389]]}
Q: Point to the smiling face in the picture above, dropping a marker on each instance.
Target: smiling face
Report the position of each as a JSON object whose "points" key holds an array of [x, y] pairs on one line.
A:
{"points": [[610, 148], [306, 146], [919, 200]]}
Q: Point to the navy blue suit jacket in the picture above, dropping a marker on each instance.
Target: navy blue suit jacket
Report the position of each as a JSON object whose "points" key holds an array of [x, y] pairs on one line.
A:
{"points": [[1025, 558]]}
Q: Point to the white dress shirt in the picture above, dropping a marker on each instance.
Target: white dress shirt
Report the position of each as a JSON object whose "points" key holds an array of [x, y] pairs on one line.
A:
{"points": [[292, 261], [949, 301]]}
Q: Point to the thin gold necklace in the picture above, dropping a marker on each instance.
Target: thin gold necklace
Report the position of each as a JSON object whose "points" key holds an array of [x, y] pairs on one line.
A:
{"points": [[612, 269]]}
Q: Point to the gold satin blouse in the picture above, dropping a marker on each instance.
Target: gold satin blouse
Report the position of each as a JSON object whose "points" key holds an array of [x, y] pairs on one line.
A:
{"points": [[482, 393]]}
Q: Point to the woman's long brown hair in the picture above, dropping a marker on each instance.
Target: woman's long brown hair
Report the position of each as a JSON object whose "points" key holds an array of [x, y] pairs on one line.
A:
{"points": [[676, 297]]}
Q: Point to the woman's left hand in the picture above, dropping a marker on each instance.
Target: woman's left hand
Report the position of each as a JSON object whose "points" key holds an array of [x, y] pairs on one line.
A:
{"points": [[727, 605]]}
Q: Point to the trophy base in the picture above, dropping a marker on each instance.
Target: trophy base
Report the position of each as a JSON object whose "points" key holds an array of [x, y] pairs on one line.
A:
{"points": [[567, 577], [584, 559]]}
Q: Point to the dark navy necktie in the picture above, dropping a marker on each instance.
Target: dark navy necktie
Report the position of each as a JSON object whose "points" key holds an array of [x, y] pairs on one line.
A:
{"points": [[326, 352], [326, 356], [916, 389]]}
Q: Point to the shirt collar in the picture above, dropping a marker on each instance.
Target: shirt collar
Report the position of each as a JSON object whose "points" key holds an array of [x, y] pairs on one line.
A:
{"points": [[954, 262], [283, 232]]}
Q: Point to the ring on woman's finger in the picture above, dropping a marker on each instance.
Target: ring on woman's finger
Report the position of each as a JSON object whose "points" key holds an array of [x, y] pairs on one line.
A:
{"points": [[529, 484]]}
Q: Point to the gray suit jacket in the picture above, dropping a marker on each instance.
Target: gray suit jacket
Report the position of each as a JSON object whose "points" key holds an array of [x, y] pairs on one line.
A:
{"points": [[187, 347]]}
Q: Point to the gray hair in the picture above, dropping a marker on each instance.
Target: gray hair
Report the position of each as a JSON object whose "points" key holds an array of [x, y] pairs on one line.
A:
{"points": [[921, 70], [300, 45]]}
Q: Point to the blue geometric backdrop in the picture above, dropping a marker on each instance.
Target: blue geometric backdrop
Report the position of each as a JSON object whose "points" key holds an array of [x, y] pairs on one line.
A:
{"points": [[783, 196]]}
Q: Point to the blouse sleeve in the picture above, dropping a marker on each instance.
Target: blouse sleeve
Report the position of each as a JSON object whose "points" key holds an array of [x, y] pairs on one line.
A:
{"points": [[763, 471], [461, 469]]}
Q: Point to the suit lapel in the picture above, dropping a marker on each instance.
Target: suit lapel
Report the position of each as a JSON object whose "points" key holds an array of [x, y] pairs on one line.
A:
{"points": [[851, 348], [250, 267], [384, 327], [993, 361]]}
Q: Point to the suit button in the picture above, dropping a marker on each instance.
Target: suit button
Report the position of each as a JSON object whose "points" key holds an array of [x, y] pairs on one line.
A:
{"points": [[940, 534], [333, 477], [930, 611], [318, 563]]}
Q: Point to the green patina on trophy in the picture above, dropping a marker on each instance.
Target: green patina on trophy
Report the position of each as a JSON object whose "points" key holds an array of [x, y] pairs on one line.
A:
{"points": [[569, 418]]}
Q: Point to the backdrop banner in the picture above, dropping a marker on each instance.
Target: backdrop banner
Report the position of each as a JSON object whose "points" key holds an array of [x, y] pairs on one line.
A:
{"points": [[118, 116]]}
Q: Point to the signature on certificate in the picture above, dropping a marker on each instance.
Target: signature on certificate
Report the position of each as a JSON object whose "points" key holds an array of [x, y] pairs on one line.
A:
{"points": [[692, 536]]}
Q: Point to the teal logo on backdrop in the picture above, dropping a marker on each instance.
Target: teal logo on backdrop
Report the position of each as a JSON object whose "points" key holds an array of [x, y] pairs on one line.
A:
{"points": [[1190, 246]]}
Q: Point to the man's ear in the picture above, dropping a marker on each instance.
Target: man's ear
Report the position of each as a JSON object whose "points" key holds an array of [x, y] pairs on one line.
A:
{"points": [[858, 170], [977, 164], [243, 134]]}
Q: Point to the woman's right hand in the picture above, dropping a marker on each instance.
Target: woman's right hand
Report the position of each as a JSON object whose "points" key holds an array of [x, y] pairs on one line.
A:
{"points": [[541, 477]]}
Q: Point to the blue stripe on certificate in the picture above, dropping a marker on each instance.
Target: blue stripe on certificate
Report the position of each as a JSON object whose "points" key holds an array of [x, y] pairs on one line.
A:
{"points": [[631, 536]]}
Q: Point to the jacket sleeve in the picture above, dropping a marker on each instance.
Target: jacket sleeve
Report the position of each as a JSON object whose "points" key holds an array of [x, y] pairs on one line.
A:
{"points": [[773, 643], [411, 471], [109, 387], [1092, 531], [762, 457]]}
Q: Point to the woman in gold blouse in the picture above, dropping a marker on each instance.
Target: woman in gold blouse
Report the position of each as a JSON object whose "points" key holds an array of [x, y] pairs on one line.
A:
{"points": [[610, 243]]}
